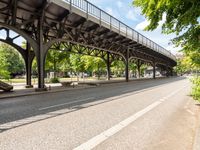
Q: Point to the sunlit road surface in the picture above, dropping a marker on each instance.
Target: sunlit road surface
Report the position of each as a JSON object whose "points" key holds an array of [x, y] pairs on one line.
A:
{"points": [[149, 115]]}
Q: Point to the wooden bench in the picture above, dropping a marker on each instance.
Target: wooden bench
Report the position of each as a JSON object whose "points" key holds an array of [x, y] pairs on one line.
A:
{"points": [[5, 87]]}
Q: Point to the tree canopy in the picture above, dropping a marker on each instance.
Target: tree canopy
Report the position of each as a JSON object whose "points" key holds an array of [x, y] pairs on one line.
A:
{"points": [[63, 63], [182, 18], [11, 63]]}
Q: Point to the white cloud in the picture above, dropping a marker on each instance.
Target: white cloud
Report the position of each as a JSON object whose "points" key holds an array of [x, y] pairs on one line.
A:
{"points": [[173, 49], [142, 25], [157, 37], [109, 10], [112, 12], [160, 23], [145, 23], [119, 4], [101, 2], [131, 15], [120, 9]]}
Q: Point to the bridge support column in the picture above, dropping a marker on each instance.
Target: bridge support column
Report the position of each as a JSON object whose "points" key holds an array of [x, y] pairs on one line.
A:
{"points": [[138, 68], [169, 72], [127, 65], [162, 71], [28, 62], [154, 70], [108, 66], [41, 58], [41, 70]]}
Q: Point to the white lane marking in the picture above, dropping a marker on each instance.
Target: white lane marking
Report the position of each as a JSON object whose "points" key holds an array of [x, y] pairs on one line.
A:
{"points": [[90, 144], [189, 111], [187, 104], [68, 103]]}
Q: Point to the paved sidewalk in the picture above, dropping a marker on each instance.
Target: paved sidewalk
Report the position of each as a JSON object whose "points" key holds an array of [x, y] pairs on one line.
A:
{"points": [[20, 90], [28, 92], [197, 138]]}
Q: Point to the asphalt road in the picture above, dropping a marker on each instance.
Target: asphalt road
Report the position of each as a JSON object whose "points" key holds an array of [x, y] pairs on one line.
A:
{"points": [[150, 115]]}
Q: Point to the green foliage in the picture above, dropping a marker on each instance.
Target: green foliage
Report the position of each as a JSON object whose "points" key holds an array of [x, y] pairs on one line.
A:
{"points": [[143, 68], [54, 80], [179, 14], [194, 58], [56, 60], [181, 18], [196, 88], [118, 68], [4, 74], [132, 66], [34, 66], [184, 65], [97, 65], [78, 63], [11, 61], [189, 63], [180, 68]]}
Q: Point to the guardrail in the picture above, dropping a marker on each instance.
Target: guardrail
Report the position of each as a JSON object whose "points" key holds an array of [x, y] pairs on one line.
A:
{"points": [[130, 33]]}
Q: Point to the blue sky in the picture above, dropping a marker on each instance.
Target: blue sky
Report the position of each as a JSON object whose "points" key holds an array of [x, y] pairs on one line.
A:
{"points": [[125, 12]]}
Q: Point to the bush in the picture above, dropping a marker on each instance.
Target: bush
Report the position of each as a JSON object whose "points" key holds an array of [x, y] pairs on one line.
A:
{"points": [[196, 88], [54, 80]]}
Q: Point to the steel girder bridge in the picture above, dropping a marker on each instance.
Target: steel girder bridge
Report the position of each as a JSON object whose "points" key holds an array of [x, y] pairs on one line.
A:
{"points": [[76, 26]]}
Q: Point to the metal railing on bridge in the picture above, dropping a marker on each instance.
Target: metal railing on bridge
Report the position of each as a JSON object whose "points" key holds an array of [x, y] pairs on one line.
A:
{"points": [[122, 28]]}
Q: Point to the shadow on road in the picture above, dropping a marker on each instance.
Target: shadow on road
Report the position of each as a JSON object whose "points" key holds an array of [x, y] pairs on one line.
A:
{"points": [[110, 92]]}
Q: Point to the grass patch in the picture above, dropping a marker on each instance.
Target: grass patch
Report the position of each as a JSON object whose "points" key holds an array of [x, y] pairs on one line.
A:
{"points": [[54, 80], [10, 81], [196, 88]]}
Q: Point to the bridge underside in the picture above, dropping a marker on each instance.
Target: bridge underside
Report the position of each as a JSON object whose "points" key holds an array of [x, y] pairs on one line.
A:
{"points": [[47, 24]]}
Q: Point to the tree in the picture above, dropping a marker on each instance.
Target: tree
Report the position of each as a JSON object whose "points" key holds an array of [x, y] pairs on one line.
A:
{"points": [[57, 61], [181, 18], [3, 67], [133, 68], [118, 68], [195, 59], [180, 67], [89, 64], [11, 61], [143, 68], [78, 64], [99, 66]]}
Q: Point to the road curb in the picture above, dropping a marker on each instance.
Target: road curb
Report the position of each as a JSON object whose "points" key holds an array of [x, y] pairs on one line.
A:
{"points": [[55, 91], [40, 93], [62, 90], [58, 90]]}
